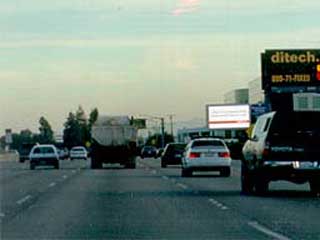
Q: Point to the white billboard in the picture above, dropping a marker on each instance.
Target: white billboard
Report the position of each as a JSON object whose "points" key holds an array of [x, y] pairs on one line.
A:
{"points": [[228, 116]]}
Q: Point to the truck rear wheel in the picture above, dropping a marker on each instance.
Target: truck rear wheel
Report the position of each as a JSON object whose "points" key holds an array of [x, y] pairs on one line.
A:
{"points": [[315, 186], [246, 180], [96, 164]]}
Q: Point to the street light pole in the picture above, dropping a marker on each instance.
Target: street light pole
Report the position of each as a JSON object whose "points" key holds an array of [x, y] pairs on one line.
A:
{"points": [[162, 132]]}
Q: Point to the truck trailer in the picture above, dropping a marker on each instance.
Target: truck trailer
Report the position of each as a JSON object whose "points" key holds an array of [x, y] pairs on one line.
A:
{"points": [[114, 140]]}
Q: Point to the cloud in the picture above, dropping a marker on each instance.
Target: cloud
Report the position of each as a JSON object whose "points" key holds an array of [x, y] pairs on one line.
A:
{"points": [[186, 6]]}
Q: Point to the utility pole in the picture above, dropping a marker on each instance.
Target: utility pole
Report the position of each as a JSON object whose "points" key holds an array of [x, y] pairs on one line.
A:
{"points": [[171, 123], [162, 132]]}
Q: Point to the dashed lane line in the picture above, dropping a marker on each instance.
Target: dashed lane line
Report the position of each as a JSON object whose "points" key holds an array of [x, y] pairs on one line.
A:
{"points": [[165, 177], [182, 186], [267, 231], [64, 176], [52, 184], [23, 200], [2, 215], [218, 204]]}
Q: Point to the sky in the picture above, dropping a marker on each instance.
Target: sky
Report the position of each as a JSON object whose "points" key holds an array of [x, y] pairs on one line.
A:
{"points": [[137, 57]]}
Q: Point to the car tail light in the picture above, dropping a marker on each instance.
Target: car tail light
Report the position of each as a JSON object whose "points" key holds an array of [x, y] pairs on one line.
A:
{"points": [[266, 150], [194, 155], [224, 154]]}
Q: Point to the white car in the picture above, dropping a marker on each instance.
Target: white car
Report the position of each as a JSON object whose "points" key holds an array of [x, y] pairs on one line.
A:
{"points": [[206, 154], [43, 155], [78, 153]]}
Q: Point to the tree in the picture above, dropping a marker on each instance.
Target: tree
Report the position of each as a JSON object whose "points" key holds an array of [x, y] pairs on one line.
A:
{"points": [[155, 140], [46, 133], [72, 132], [94, 114]]}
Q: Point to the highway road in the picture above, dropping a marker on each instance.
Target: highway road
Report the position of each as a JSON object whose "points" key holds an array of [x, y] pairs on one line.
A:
{"points": [[76, 202]]}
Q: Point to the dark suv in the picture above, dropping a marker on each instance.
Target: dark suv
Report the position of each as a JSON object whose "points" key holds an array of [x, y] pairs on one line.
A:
{"points": [[172, 154], [283, 146]]}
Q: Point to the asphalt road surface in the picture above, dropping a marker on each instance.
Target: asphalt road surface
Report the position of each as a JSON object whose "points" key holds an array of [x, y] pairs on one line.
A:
{"points": [[76, 202]]}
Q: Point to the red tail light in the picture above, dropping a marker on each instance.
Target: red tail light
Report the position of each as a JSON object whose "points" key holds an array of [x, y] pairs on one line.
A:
{"points": [[224, 154], [266, 150], [194, 155]]}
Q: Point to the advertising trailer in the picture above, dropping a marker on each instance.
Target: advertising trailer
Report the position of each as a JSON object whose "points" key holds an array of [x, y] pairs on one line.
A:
{"points": [[230, 116]]}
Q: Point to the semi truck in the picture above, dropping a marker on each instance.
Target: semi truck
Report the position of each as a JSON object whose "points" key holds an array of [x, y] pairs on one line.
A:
{"points": [[114, 140]]}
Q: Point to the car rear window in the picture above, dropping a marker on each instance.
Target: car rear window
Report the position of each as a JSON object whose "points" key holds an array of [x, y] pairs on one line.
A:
{"points": [[78, 149], [205, 143], [43, 150], [296, 124]]}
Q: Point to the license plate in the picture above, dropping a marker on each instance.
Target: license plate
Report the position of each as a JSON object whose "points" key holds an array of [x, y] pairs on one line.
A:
{"points": [[208, 154], [178, 155]]}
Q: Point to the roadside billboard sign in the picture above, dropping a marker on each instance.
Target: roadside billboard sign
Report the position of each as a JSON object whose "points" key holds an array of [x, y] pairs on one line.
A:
{"points": [[8, 136], [291, 70], [231, 116], [258, 109]]}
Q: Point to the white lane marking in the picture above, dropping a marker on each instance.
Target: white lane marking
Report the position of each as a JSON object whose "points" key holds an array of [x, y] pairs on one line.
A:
{"points": [[2, 215], [52, 184], [73, 171], [182, 186], [22, 200], [165, 177], [154, 172], [65, 176], [267, 231], [218, 204]]}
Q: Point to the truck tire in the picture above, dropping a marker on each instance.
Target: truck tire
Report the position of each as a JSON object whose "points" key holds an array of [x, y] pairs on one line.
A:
{"points": [[226, 172], [247, 184], [314, 186], [163, 164], [261, 186], [57, 165], [96, 164], [186, 173], [32, 166]]}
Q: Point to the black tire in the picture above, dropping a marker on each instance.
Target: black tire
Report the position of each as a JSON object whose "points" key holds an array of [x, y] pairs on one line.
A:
{"points": [[226, 172], [130, 165], [96, 164], [186, 173], [163, 164], [314, 186], [57, 165], [247, 184], [261, 186], [32, 166]]}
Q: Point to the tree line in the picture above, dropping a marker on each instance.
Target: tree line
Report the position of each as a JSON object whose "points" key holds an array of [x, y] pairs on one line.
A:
{"points": [[77, 131]]}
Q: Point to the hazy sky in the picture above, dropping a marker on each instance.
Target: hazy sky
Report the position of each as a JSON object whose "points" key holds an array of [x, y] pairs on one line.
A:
{"points": [[138, 56]]}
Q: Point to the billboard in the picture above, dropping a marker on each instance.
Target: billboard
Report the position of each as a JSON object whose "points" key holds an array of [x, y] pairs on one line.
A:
{"points": [[291, 70], [232, 116], [8, 136]]}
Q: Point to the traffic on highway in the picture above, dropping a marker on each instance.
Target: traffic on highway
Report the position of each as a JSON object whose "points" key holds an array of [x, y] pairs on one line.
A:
{"points": [[181, 119]]}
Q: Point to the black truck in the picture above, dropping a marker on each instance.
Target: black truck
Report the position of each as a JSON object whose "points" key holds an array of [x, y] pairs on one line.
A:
{"points": [[283, 146]]}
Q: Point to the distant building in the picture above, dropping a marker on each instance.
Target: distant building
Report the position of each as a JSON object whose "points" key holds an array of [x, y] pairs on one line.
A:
{"points": [[237, 96], [256, 94]]}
